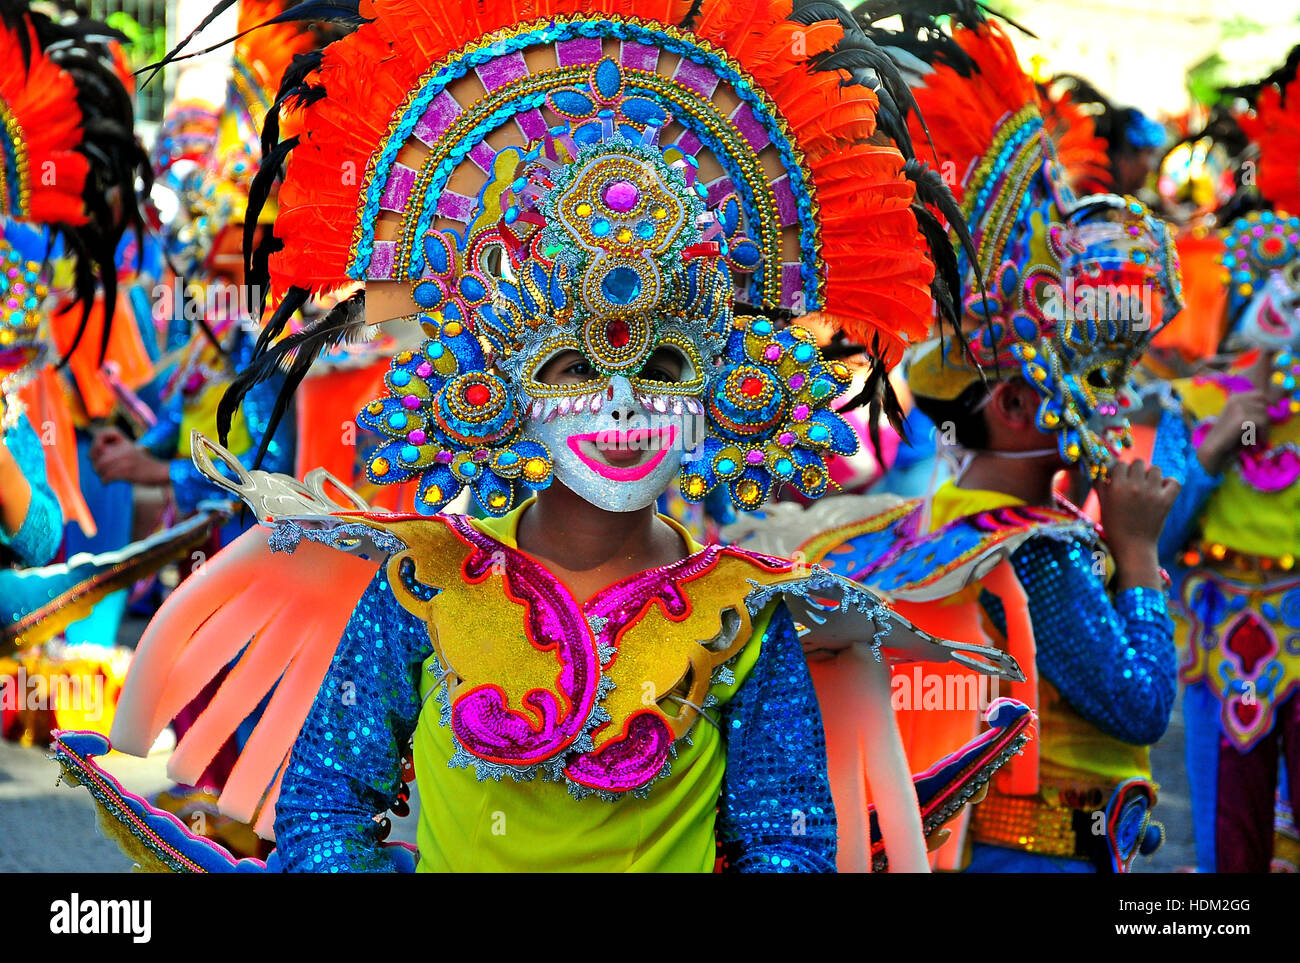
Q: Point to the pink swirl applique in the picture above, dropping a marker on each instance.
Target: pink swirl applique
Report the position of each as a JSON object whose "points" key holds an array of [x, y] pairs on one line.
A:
{"points": [[486, 727], [482, 722], [1265, 469]]}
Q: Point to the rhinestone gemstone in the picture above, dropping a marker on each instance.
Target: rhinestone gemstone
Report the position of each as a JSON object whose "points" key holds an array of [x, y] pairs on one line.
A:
{"points": [[478, 394], [622, 285], [621, 196], [751, 387], [617, 333]]}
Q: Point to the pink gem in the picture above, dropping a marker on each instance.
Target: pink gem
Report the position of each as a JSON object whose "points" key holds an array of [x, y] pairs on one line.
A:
{"points": [[19, 287], [621, 196], [801, 412], [480, 455], [424, 370], [786, 439], [754, 458], [12, 302], [443, 458], [411, 401], [417, 437], [796, 382], [13, 272], [772, 352]]}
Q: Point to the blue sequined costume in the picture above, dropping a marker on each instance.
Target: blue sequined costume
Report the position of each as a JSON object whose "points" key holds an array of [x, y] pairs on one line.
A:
{"points": [[37, 541], [344, 769]]}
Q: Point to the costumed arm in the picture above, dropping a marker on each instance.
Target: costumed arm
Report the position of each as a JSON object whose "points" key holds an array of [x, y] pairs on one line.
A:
{"points": [[775, 813], [163, 439], [36, 535], [345, 767], [1115, 664], [1175, 455]]}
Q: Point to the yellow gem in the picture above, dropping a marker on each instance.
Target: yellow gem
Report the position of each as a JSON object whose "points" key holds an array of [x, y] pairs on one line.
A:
{"points": [[1072, 452], [1027, 353], [379, 466], [624, 236], [375, 407], [584, 209], [403, 357], [434, 495], [659, 213], [535, 468], [451, 329], [1287, 561], [747, 490], [1051, 419], [695, 487], [497, 500], [1221, 551]]}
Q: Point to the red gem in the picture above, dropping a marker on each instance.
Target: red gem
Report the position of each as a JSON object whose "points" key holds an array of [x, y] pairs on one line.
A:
{"points": [[1246, 713], [751, 387], [617, 333], [478, 394]]}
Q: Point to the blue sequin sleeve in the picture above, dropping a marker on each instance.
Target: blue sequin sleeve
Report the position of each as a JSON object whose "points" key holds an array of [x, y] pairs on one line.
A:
{"points": [[345, 766], [776, 813], [164, 437], [1175, 455], [1115, 664], [38, 538]]}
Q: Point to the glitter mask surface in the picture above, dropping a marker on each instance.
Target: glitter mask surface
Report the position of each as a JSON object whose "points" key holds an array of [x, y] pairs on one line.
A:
{"points": [[23, 293], [598, 240], [615, 417]]}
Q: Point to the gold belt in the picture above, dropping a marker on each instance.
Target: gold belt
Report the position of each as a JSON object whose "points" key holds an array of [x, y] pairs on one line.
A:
{"points": [[1027, 823]]}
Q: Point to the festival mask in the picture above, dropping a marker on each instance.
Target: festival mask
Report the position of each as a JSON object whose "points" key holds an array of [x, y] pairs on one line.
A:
{"points": [[24, 289], [605, 251], [1262, 265]]}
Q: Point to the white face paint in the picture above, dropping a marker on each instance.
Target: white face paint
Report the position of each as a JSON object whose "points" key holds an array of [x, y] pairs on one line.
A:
{"points": [[622, 455]]}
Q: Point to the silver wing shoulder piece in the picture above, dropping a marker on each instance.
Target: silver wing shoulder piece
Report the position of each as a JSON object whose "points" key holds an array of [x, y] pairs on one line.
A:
{"points": [[296, 509], [835, 614]]}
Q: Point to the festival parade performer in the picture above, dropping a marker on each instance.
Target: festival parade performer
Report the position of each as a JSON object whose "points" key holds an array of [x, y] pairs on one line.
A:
{"points": [[601, 219], [1040, 385], [1232, 536]]}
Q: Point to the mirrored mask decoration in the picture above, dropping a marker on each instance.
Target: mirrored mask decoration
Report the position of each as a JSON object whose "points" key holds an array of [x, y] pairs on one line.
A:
{"points": [[586, 333], [24, 290], [1261, 263]]}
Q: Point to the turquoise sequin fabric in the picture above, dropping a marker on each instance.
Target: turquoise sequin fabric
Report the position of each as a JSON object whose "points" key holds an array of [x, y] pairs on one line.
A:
{"points": [[37, 540]]}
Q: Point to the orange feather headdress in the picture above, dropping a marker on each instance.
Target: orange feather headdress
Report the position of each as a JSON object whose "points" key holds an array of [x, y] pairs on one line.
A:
{"points": [[387, 152], [43, 175], [1275, 128]]}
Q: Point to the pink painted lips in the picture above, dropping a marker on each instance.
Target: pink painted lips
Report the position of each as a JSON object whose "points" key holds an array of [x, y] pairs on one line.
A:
{"points": [[624, 455]]}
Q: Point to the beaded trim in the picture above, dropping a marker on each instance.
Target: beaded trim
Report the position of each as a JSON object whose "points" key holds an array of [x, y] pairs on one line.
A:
{"points": [[14, 186]]}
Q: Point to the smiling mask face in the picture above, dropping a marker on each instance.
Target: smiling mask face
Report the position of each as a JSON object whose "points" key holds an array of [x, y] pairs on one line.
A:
{"points": [[616, 442]]}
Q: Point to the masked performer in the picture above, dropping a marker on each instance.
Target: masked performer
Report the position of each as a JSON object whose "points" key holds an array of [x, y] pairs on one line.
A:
{"points": [[568, 206], [994, 552], [1233, 532]]}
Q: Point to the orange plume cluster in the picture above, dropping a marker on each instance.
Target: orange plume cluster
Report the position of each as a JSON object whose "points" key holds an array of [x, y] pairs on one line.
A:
{"points": [[877, 271], [1275, 127], [40, 125], [1079, 148], [963, 117]]}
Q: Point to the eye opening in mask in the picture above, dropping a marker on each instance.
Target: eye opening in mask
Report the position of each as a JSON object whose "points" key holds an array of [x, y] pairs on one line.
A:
{"points": [[566, 366], [667, 364]]}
